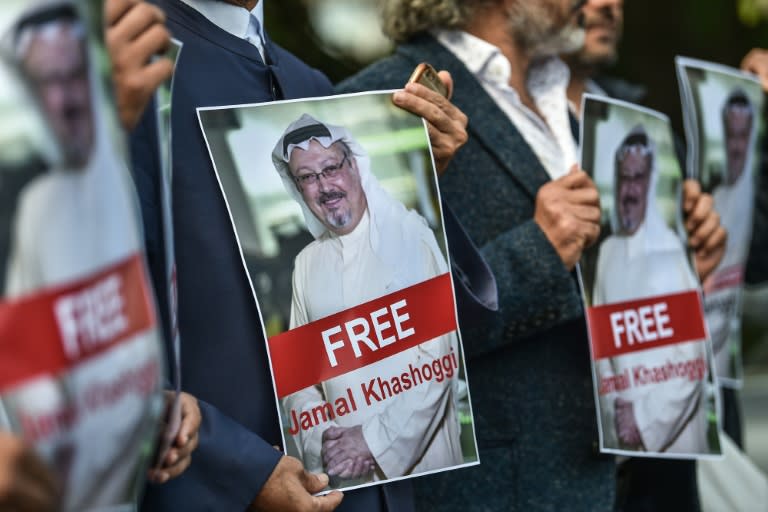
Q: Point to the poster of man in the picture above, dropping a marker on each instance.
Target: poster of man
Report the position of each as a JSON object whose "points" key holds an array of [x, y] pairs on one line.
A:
{"points": [[722, 109], [79, 345], [649, 344], [336, 208]]}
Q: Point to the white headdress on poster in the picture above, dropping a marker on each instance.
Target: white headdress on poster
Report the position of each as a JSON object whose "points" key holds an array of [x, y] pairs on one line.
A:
{"points": [[657, 255], [734, 202], [388, 239], [638, 140], [65, 186]]}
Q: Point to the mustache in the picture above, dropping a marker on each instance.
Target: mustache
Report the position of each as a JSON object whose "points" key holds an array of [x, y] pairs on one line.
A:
{"points": [[603, 18], [630, 200], [331, 195], [73, 112]]}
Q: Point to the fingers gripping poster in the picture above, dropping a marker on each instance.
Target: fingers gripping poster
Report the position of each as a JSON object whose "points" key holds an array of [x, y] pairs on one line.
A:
{"points": [[80, 358], [650, 350], [336, 209]]}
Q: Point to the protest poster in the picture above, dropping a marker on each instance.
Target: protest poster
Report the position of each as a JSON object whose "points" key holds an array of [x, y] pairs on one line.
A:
{"points": [[80, 350], [336, 209], [163, 102], [651, 356], [722, 110]]}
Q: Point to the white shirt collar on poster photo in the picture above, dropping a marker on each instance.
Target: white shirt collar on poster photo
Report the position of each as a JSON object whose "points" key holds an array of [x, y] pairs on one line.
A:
{"points": [[234, 19], [550, 139]]}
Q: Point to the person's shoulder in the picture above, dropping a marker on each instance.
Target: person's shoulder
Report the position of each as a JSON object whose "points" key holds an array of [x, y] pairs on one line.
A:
{"points": [[295, 66], [184, 21], [422, 238], [43, 189], [415, 222], [610, 241], [39, 198], [388, 73], [310, 252]]}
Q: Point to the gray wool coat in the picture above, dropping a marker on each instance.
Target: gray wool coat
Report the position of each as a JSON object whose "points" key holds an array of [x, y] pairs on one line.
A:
{"points": [[528, 366]]}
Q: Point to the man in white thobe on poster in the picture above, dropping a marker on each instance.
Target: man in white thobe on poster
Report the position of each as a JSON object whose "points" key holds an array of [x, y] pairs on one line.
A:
{"points": [[71, 221], [367, 245], [734, 200], [645, 258]]}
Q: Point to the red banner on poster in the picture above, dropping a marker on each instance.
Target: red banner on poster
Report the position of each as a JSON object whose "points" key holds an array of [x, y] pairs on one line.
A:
{"points": [[56, 329], [362, 335], [626, 327]]}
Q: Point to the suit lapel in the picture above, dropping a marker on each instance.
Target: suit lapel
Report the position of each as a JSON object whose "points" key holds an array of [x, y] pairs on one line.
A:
{"points": [[575, 128], [487, 122]]}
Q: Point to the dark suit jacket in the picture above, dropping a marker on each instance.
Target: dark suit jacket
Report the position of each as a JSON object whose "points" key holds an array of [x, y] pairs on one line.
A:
{"points": [[757, 266], [223, 350], [528, 368]]}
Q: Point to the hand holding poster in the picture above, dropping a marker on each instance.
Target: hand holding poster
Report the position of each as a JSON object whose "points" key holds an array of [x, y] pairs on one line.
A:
{"points": [[721, 109], [80, 359], [648, 340], [335, 207]]}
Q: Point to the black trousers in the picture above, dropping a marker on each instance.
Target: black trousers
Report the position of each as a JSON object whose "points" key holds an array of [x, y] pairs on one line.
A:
{"points": [[651, 485], [732, 416]]}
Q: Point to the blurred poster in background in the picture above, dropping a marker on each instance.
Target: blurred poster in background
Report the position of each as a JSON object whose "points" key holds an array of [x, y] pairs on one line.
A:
{"points": [[651, 354], [80, 354], [722, 110]]}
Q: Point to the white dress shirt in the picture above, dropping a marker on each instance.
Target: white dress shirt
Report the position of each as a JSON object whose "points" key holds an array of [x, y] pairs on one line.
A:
{"points": [[550, 138], [234, 19]]}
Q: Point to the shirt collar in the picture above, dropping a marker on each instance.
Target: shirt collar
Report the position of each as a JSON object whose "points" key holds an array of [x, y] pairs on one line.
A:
{"points": [[356, 235], [480, 57], [487, 62], [231, 18]]}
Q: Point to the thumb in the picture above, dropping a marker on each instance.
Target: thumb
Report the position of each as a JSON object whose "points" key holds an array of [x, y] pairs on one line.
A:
{"points": [[332, 433], [315, 482], [691, 193], [328, 502]]}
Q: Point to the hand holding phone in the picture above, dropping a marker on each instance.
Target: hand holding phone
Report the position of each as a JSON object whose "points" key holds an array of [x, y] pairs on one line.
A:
{"points": [[447, 124], [426, 75]]}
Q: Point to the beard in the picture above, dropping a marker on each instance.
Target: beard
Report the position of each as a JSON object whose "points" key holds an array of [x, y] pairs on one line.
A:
{"points": [[543, 30], [603, 52], [338, 219]]}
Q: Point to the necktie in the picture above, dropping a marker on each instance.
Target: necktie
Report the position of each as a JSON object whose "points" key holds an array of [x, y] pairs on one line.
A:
{"points": [[253, 36]]}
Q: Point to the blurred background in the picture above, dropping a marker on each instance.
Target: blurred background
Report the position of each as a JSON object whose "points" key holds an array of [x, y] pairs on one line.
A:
{"points": [[342, 36]]}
